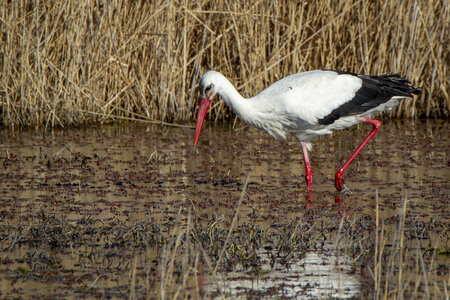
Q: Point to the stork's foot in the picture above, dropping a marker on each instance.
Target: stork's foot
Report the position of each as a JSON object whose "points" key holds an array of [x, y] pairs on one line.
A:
{"points": [[340, 183]]}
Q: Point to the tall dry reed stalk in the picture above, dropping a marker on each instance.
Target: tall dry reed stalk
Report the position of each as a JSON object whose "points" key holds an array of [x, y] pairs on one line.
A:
{"points": [[393, 261], [76, 62]]}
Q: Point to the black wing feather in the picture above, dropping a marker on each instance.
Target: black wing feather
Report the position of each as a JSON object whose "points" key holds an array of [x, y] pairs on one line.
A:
{"points": [[375, 90]]}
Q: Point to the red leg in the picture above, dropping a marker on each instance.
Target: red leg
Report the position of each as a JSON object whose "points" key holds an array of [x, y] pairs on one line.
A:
{"points": [[338, 178], [309, 175]]}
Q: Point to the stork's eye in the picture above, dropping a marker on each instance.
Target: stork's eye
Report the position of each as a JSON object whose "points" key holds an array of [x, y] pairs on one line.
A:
{"points": [[209, 90]]}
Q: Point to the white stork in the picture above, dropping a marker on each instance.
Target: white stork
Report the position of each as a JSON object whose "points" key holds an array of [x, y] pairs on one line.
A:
{"points": [[309, 104]]}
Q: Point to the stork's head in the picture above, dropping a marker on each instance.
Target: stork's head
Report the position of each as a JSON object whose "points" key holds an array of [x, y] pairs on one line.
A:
{"points": [[207, 91]]}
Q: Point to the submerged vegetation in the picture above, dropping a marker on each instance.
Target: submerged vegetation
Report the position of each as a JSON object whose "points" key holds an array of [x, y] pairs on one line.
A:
{"points": [[70, 63], [191, 256]]}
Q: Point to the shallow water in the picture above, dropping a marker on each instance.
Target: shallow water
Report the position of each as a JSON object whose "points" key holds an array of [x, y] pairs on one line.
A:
{"points": [[125, 174]]}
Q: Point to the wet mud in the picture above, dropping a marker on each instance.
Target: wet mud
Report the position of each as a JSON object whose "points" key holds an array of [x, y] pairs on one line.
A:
{"points": [[114, 211]]}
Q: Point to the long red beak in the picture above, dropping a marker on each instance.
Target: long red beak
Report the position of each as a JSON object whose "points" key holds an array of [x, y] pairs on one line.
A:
{"points": [[203, 107]]}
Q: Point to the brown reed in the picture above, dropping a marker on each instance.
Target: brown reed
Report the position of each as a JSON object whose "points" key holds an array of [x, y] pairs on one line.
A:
{"points": [[78, 62]]}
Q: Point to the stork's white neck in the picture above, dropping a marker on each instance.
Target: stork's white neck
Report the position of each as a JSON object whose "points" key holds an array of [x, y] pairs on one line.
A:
{"points": [[240, 105], [227, 91], [257, 111]]}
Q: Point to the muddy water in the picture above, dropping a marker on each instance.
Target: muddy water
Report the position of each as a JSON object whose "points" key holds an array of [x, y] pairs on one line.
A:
{"points": [[127, 174]]}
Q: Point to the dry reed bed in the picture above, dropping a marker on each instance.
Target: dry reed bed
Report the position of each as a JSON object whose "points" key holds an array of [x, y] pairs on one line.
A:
{"points": [[70, 63]]}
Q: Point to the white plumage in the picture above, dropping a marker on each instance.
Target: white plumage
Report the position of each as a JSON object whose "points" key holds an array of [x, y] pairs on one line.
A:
{"points": [[308, 104]]}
